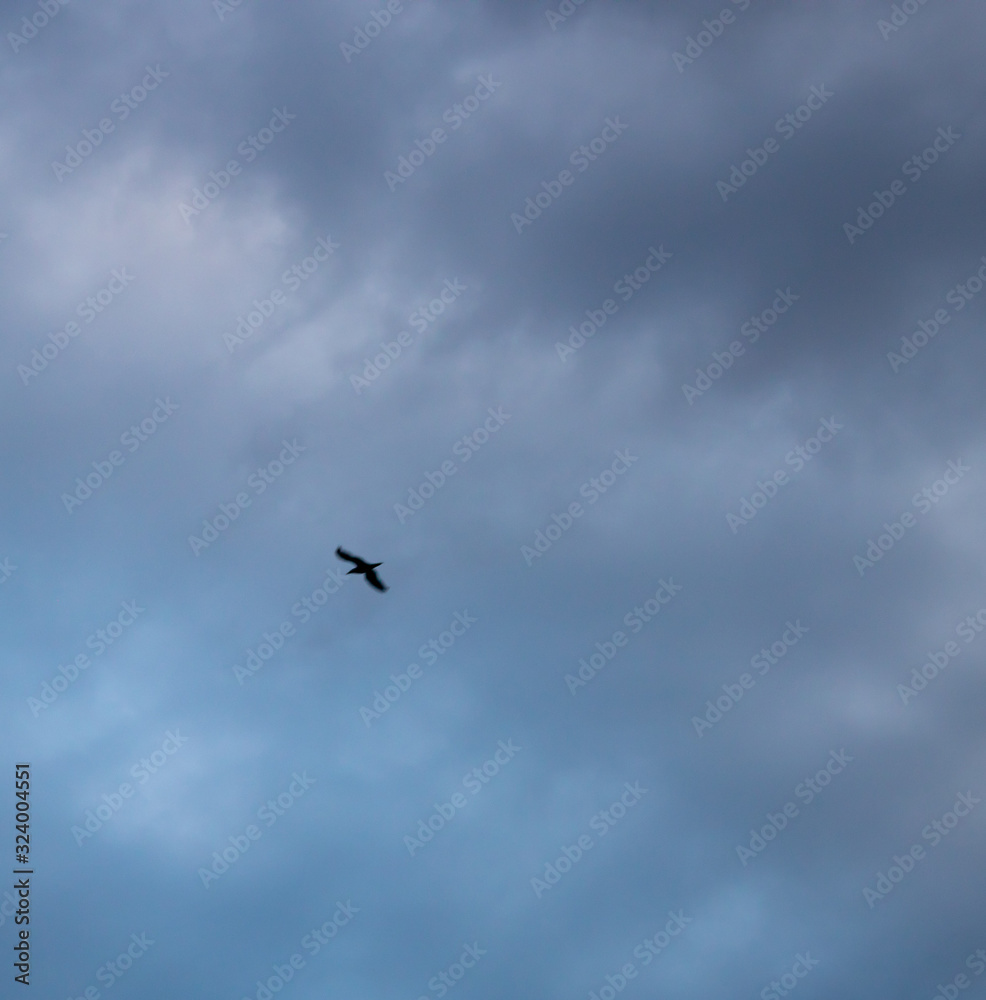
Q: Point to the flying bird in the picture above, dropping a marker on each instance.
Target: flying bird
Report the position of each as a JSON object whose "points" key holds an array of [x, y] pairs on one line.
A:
{"points": [[369, 570]]}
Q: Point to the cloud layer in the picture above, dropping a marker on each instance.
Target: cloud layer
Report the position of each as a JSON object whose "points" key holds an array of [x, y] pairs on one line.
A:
{"points": [[640, 343]]}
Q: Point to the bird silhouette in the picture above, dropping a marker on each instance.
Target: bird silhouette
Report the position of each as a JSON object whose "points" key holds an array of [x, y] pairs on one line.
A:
{"points": [[367, 569]]}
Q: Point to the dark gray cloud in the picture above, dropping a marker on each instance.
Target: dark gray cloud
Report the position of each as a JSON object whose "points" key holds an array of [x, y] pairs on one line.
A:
{"points": [[272, 371]]}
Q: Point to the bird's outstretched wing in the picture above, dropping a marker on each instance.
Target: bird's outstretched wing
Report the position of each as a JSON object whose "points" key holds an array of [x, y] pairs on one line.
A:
{"points": [[342, 554], [374, 581]]}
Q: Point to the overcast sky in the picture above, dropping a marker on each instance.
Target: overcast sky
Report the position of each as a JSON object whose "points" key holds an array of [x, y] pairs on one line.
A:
{"points": [[641, 343]]}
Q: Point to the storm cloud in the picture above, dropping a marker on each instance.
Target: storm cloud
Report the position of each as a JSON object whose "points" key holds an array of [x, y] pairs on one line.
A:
{"points": [[639, 342]]}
